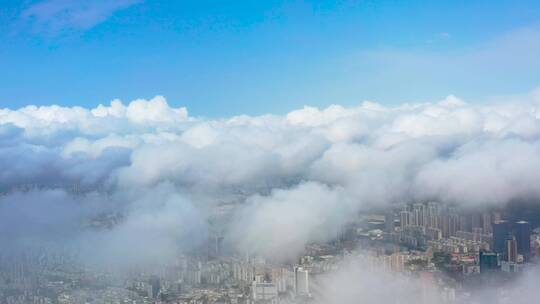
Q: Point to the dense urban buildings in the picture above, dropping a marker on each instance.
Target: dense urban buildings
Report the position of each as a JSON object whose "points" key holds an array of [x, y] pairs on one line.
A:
{"points": [[447, 247]]}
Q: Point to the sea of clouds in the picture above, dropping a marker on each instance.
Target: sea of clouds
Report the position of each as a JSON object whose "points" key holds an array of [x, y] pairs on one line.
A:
{"points": [[296, 177]]}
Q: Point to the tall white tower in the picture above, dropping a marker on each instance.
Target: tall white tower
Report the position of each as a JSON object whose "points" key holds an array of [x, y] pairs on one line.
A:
{"points": [[301, 281]]}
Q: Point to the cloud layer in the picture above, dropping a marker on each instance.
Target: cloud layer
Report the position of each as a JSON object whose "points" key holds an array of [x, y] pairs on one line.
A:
{"points": [[293, 178]]}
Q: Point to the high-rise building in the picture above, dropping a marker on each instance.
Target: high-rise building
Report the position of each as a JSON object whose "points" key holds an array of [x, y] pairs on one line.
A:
{"points": [[445, 225], [389, 221], [453, 224], [510, 249], [418, 213], [522, 231], [215, 244], [486, 222], [425, 216], [501, 229], [404, 218], [464, 223], [488, 261], [301, 281], [154, 287], [433, 214]]}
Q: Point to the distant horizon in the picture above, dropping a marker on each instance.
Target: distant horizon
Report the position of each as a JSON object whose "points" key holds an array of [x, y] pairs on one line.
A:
{"points": [[523, 97]]}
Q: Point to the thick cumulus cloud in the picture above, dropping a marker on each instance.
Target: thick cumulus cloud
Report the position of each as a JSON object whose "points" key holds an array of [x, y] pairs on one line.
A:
{"points": [[277, 225], [293, 179]]}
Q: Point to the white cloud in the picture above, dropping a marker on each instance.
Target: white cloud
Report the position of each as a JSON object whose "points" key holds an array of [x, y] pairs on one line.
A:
{"points": [[95, 148], [312, 166], [279, 225], [54, 16]]}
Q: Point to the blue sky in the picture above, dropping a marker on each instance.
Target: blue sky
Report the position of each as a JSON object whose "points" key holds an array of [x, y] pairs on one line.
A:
{"points": [[221, 58]]}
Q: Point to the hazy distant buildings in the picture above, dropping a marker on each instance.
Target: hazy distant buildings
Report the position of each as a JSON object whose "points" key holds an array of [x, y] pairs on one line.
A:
{"points": [[453, 224], [154, 287], [464, 223], [424, 223], [433, 214], [418, 214], [404, 217], [486, 222], [215, 244], [264, 292], [389, 222], [243, 271]]}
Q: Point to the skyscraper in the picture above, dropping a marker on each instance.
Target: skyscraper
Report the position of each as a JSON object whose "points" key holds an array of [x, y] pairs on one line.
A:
{"points": [[433, 215], [501, 229], [404, 219], [486, 222], [522, 231], [418, 212], [464, 223], [154, 287], [510, 249], [445, 225], [389, 221], [453, 224], [301, 281]]}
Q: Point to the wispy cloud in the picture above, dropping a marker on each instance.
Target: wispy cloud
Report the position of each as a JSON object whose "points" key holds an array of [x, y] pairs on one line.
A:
{"points": [[468, 70], [55, 16]]}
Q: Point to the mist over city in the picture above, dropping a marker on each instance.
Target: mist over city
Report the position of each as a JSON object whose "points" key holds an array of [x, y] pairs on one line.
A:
{"points": [[286, 152]]}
